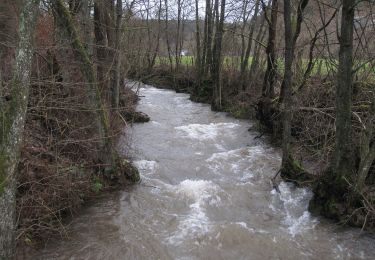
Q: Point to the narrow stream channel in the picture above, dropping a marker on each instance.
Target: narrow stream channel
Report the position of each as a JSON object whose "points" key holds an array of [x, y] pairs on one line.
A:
{"points": [[205, 194]]}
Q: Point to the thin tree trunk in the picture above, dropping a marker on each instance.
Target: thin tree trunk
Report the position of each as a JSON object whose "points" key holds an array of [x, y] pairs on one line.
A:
{"points": [[12, 127], [245, 61], [177, 50], [257, 50], [301, 7], [198, 65], [265, 104], [156, 50], [270, 75], [167, 35], [216, 65], [117, 61], [286, 106], [100, 41], [208, 43]]}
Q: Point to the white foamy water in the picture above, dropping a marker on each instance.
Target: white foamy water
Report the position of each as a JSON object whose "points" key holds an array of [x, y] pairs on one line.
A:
{"points": [[145, 166], [195, 223], [293, 203], [206, 131], [244, 162]]}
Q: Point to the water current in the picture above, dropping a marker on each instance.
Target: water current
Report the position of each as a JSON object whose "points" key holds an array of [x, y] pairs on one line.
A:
{"points": [[205, 194]]}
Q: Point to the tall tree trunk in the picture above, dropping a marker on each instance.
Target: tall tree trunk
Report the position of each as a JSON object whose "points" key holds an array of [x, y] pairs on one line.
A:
{"points": [[100, 41], [86, 25], [265, 105], [332, 196], [294, 36], [245, 61], [208, 40], [343, 156], [198, 63], [13, 121], [204, 45], [117, 61], [156, 50], [177, 50], [108, 153], [216, 64], [270, 75], [167, 35], [288, 165], [286, 106], [257, 50]]}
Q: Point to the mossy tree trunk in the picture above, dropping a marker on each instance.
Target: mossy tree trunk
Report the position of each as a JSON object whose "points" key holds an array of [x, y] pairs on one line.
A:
{"points": [[12, 121], [265, 104], [108, 153], [286, 105], [332, 196], [268, 90], [288, 164]]}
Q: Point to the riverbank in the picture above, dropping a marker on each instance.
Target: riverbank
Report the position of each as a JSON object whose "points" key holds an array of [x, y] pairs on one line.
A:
{"points": [[313, 125], [59, 171]]}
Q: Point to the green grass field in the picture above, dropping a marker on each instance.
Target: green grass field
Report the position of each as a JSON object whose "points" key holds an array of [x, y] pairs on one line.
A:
{"points": [[321, 66]]}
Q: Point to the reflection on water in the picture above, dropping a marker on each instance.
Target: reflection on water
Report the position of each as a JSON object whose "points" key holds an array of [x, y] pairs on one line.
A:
{"points": [[205, 194]]}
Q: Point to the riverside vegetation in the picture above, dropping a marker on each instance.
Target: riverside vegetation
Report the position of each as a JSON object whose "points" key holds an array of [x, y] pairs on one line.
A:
{"points": [[304, 69]]}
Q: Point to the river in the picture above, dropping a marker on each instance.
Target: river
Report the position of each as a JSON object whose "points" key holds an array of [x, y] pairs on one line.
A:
{"points": [[205, 194]]}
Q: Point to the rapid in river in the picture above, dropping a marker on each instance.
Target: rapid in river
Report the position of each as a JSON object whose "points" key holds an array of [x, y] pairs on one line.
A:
{"points": [[205, 194]]}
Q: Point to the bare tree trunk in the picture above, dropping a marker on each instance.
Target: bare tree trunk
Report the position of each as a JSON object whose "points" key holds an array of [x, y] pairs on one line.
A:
{"points": [[198, 63], [156, 50], [331, 195], [117, 62], [86, 25], [177, 50], [12, 127], [343, 158], [286, 106], [270, 75], [204, 45], [265, 105], [245, 61], [108, 155], [294, 36], [167, 35], [208, 39], [216, 64], [257, 50], [287, 164], [100, 41]]}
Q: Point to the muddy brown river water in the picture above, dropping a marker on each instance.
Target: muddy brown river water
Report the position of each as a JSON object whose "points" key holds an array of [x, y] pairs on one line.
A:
{"points": [[205, 194]]}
